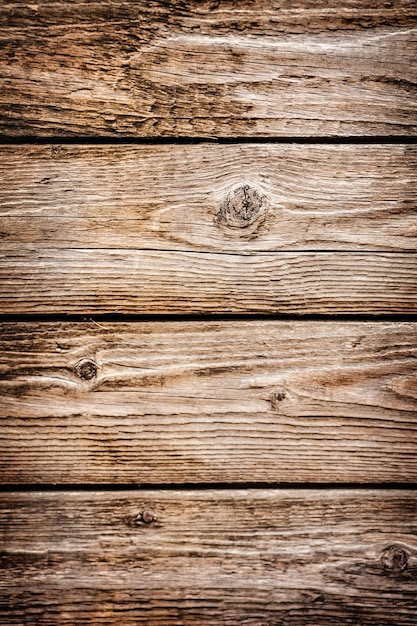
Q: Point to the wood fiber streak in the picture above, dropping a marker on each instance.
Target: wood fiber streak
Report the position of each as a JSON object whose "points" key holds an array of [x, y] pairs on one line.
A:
{"points": [[331, 197], [93, 280], [172, 402], [219, 557], [220, 69]]}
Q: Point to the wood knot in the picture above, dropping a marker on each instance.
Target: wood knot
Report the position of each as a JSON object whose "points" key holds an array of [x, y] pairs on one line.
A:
{"points": [[276, 397], [394, 559], [144, 517], [242, 207], [86, 369]]}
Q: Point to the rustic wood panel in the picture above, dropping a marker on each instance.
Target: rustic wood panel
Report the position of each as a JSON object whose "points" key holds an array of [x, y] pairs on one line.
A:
{"points": [[96, 280], [237, 557], [208, 68], [83, 233], [187, 402], [210, 198]]}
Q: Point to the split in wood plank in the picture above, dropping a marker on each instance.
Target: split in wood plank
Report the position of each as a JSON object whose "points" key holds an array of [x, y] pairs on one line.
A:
{"points": [[189, 402], [208, 68], [210, 198], [235, 556]]}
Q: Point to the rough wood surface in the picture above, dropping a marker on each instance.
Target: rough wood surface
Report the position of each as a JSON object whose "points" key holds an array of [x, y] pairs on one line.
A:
{"points": [[208, 68], [96, 280], [204, 229], [185, 402], [212, 557], [210, 198]]}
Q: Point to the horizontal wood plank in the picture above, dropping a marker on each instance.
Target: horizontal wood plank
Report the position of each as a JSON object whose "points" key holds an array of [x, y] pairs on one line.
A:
{"points": [[83, 233], [208, 68], [184, 402], [210, 198], [90, 281], [212, 557]]}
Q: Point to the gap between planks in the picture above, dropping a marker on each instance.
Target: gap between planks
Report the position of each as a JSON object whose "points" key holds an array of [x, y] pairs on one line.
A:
{"points": [[183, 140], [247, 486]]}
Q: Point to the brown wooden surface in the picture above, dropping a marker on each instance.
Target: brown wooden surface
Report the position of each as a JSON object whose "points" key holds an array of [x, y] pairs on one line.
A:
{"points": [[208, 229], [183, 402], [223, 68], [177, 228], [96, 280], [212, 557], [198, 197]]}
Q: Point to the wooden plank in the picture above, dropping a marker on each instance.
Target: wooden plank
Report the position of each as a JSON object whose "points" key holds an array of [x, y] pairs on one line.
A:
{"points": [[210, 198], [93, 280], [237, 557], [185, 402], [208, 68], [84, 234]]}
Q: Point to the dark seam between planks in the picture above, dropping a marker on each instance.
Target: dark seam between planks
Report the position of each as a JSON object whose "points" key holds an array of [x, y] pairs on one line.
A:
{"points": [[207, 317], [20, 487], [108, 140], [243, 253]]}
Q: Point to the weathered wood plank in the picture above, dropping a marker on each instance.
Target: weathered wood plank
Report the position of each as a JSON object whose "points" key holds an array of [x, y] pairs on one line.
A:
{"points": [[198, 197], [220, 557], [208, 68], [96, 280], [208, 402]]}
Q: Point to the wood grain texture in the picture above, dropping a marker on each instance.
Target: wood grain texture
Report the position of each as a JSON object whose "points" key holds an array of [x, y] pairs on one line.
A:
{"points": [[185, 402], [208, 68], [208, 229], [93, 280], [212, 557], [178, 197]]}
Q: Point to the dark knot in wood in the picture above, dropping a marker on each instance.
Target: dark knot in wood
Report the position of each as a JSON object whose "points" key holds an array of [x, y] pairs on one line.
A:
{"points": [[277, 396], [242, 207], [144, 517], [394, 559], [86, 369]]}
